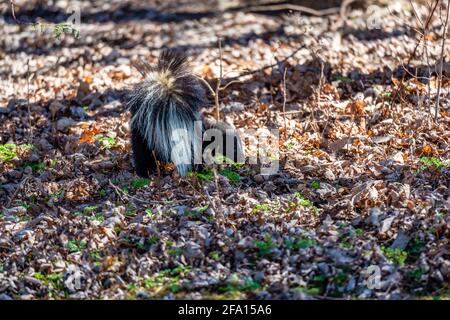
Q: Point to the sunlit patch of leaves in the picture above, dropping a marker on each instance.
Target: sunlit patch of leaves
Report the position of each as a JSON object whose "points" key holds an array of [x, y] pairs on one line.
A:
{"points": [[9, 151], [105, 141]]}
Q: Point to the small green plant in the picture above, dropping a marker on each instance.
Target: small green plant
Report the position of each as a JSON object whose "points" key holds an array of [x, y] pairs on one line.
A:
{"points": [[139, 183], [221, 159], [95, 255], [231, 175], [105, 141], [153, 240], [313, 291], [434, 162], [102, 193], [304, 243], [417, 246], [76, 246], [261, 207], [28, 205], [168, 279], [175, 252], [65, 28], [37, 166], [266, 246], [415, 274], [53, 163], [54, 280], [214, 255], [149, 213], [289, 145], [204, 175], [235, 284], [8, 151], [341, 78], [395, 256], [315, 185], [89, 209], [98, 217], [341, 278], [302, 201]]}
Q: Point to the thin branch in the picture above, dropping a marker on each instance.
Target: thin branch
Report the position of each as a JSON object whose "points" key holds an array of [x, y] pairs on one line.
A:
{"points": [[248, 73], [207, 85], [19, 187], [284, 102], [444, 37], [28, 101], [413, 53], [219, 81], [13, 12], [294, 7]]}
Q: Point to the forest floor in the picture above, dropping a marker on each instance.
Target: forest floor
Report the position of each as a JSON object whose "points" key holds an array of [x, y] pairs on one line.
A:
{"points": [[358, 209]]}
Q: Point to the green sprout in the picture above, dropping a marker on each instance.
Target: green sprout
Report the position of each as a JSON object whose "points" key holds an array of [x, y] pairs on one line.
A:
{"points": [[395, 256]]}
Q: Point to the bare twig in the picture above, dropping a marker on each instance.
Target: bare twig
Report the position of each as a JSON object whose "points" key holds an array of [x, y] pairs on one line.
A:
{"points": [[284, 102], [28, 101], [294, 7], [413, 53], [123, 195], [444, 37], [248, 73], [219, 81], [13, 13], [11, 199]]}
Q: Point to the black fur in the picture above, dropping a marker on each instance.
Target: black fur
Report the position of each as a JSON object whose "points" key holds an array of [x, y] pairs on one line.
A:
{"points": [[169, 98]]}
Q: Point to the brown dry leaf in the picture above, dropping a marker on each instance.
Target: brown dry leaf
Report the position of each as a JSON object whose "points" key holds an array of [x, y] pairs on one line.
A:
{"points": [[356, 107], [427, 150], [206, 71], [89, 135], [88, 79], [262, 107]]}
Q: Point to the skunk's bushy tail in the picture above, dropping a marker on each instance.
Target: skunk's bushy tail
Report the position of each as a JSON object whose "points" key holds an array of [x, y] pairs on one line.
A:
{"points": [[165, 107]]}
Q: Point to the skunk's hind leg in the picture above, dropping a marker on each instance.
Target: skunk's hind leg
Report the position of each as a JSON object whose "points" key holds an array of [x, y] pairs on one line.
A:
{"points": [[144, 159]]}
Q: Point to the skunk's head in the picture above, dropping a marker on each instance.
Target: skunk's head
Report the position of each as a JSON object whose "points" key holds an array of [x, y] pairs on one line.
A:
{"points": [[168, 82]]}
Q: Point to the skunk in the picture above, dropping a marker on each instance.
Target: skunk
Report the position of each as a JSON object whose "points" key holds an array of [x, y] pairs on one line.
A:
{"points": [[166, 124]]}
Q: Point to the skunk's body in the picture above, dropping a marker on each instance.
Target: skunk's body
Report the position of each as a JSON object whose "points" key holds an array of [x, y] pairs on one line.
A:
{"points": [[166, 125], [165, 108]]}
